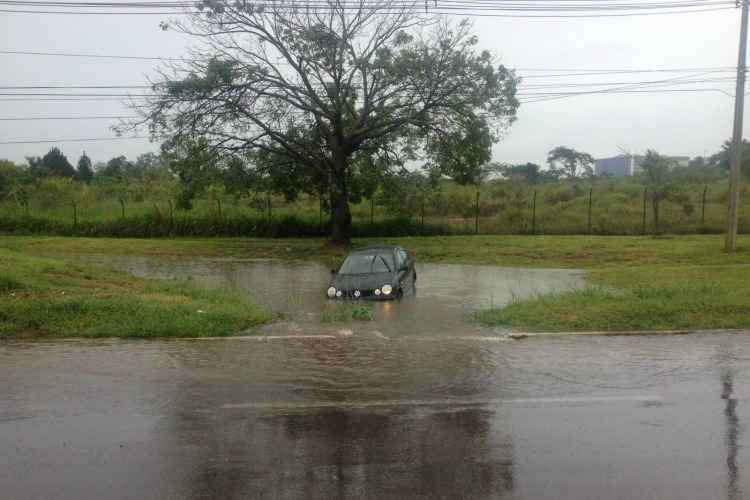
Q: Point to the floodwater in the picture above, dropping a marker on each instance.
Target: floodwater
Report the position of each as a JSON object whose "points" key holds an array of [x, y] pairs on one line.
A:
{"points": [[369, 417], [446, 294], [413, 405]]}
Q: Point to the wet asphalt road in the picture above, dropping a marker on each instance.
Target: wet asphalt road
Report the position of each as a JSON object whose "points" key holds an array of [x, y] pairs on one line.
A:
{"points": [[418, 403], [365, 417]]}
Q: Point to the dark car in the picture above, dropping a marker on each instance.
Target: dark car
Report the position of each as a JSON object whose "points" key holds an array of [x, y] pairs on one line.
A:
{"points": [[374, 272]]}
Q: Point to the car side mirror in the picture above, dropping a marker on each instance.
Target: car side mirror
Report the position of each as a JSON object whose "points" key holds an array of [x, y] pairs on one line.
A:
{"points": [[333, 271]]}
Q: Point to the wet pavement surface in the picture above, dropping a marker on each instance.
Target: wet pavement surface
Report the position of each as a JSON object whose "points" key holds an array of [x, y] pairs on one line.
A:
{"points": [[383, 412], [365, 417]]}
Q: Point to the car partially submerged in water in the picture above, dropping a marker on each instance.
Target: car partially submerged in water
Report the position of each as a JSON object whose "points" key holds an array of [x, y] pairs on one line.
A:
{"points": [[376, 272]]}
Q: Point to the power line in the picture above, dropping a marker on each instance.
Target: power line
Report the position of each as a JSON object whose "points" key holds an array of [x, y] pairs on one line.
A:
{"points": [[95, 139], [553, 96], [43, 118], [509, 5], [53, 87], [523, 85], [476, 10], [95, 56], [578, 71]]}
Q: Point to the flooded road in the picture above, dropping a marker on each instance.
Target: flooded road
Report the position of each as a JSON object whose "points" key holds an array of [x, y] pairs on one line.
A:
{"points": [[446, 294], [383, 418]]}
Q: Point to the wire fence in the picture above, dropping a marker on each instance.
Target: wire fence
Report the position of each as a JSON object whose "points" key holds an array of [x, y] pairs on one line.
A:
{"points": [[526, 210]]}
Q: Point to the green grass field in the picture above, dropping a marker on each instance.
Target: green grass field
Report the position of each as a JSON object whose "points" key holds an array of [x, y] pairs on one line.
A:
{"points": [[636, 282], [47, 298]]}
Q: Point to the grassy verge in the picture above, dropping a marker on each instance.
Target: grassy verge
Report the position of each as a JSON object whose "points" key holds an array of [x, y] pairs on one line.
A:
{"points": [[637, 282], [646, 298], [680, 291], [42, 298]]}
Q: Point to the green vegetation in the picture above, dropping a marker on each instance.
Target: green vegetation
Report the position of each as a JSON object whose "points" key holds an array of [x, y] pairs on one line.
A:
{"points": [[645, 298], [672, 283], [343, 312], [637, 282], [45, 298], [150, 198]]}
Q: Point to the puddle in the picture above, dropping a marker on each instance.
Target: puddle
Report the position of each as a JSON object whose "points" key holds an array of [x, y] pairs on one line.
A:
{"points": [[445, 297]]}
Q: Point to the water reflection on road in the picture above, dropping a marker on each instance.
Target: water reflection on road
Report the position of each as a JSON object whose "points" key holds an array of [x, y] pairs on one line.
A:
{"points": [[363, 417], [446, 293]]}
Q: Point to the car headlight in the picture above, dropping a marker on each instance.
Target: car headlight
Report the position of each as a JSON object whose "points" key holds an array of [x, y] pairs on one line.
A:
{"points": [[332, 292], [377, 291], [338, 293], [387, 289]]}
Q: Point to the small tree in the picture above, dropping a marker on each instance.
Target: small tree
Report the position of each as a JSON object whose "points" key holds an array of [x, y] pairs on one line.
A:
{"points": [[85, 170], [656, 174], [8, 175], [196, 167], [53, 163], [529, 172], [722, 158], [571, 163]]}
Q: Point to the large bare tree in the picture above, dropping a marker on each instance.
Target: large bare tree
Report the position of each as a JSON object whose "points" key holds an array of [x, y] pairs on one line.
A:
{"points": [[321, 85]]}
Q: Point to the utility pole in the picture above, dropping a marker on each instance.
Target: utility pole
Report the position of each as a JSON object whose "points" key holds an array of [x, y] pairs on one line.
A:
{"points": [[736, 159]]}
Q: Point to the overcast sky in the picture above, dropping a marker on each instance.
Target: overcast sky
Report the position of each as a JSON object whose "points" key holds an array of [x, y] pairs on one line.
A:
{"points": [[672, 123]]}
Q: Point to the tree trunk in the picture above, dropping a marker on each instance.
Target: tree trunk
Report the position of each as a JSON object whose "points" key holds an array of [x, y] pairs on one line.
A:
{"points": [[341, 217]]}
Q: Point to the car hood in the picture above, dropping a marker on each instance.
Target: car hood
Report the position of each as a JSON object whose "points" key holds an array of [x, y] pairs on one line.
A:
{"points": [[350, 282]]}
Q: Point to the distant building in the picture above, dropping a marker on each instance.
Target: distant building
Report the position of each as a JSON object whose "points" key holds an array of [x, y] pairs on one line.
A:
{"points": [[628, 165], [617, 166]]}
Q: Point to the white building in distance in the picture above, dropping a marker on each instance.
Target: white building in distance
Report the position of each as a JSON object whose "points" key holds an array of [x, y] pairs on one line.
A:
{"points": [[629, 165]]}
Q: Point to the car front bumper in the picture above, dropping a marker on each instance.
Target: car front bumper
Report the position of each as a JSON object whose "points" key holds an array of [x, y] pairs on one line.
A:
{"points": [[364, 295]]}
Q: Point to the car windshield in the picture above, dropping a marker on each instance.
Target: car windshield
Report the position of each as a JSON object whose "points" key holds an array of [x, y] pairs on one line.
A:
{"points": [[365, 263]]}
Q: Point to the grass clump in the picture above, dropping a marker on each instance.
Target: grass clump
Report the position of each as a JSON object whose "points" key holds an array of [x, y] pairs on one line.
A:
{"points": [[44, 298], [648, 298], [344, 312]]}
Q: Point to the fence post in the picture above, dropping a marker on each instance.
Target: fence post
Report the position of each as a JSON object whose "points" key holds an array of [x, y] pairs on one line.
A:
{"points": [[591, 193], [645, 193], [75, 216], [218, 206], [533, 214], [476, 215], [421, 225], [372, 211], [268, 206], [320, 213], [703, 208], [171, 215], [122, 207]]}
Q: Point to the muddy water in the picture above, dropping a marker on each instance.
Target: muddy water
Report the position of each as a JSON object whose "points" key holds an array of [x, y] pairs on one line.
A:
{"points": [[446, 294], [365, 417]]}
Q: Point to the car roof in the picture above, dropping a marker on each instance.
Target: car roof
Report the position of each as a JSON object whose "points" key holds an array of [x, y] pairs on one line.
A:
{"points": [[370, 248]]}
